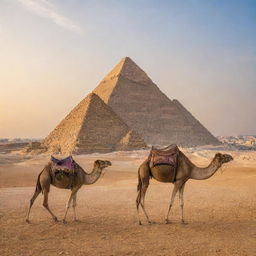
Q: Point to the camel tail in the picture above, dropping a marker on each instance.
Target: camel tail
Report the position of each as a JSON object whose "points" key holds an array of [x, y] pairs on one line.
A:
{"points": [[139, 182], [38, 185]]}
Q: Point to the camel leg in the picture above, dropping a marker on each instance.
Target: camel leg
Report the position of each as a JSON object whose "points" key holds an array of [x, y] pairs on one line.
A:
{"points": [[142, 199], [138, 205], [45, 204], [181, 191], [32, 200], [143, 183], [175, 190], [69, 204], [74, 206]]}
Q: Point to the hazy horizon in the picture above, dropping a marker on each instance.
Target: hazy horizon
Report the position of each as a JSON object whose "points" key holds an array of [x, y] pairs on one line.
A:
{"points": [[53, 53]]}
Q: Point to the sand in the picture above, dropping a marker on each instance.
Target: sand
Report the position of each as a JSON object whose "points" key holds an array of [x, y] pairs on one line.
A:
{"points": [[220, 211]]}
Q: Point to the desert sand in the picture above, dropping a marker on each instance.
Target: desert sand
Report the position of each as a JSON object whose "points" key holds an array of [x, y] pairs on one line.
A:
{"points": [[220, 211]]}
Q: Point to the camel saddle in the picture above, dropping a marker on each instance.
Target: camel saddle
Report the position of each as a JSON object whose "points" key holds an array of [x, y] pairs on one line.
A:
{"points": [[62, 164], [167, 156], [63, 167]]}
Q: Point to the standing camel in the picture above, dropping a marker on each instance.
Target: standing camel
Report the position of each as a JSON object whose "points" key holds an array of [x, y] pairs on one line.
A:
{"points": [[72, 180], [185, 170]]}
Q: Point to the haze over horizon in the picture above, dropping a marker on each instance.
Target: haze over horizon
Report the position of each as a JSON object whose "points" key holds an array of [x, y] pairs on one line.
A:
{"points": [[53, 53]]}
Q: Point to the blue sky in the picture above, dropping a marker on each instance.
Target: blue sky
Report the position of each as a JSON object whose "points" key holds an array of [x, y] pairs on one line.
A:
{"points": [[54, 52]]}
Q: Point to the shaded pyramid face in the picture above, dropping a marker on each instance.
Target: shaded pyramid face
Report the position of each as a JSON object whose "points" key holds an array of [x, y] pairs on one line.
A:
{"points": [[139, 102], [92, 126]]}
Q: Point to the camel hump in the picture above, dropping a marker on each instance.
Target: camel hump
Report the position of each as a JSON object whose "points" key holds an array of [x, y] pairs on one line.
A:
{"points": [[63, 169], [61, 164], [169, 150], [164, 156]]}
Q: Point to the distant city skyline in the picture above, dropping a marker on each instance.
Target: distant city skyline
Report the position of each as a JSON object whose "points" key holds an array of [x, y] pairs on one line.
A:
{"points": [[54, 53]]}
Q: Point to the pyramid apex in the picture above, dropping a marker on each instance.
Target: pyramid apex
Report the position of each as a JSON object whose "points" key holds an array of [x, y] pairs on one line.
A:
{"points": [[91, 97], [128, 69], [131, 71], [92, 126], [126, 58]]}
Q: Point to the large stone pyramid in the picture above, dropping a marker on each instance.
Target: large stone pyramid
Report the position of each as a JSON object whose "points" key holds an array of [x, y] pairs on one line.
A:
{"points": [[139, 102], [92, 126]]}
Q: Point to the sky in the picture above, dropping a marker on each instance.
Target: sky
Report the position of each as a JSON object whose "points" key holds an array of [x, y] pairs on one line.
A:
{"points": [[54, 52]]}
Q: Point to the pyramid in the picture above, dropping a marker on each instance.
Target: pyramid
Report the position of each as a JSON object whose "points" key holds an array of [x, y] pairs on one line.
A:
{"points": [[139, 102], [90, 127]]}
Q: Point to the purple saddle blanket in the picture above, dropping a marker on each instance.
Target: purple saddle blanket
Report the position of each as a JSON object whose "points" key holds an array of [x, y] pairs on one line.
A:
{"points": [[62, 164], [166, 156]]}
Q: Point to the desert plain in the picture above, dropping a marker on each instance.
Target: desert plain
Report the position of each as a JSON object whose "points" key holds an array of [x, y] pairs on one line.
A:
{"points": [[220, 211]]}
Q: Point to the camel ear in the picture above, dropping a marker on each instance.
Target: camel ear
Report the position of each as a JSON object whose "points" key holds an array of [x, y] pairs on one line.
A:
{"points": [[218, 154], [97, 162]]}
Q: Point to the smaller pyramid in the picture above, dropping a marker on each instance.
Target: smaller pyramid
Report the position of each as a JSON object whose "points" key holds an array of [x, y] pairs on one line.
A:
{"points": [[130, 141], [92, 126]]}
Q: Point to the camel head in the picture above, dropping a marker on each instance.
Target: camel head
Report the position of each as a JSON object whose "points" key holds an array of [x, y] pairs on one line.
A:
{"points": [[223, 158], [102, 163]]}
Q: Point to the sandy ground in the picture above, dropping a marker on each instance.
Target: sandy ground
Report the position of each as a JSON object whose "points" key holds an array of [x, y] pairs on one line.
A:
{"points": [[220, 211]]}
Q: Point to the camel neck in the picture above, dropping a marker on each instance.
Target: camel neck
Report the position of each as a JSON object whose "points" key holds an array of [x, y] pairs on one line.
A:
{"points": [[206, 172], [93, 176]]}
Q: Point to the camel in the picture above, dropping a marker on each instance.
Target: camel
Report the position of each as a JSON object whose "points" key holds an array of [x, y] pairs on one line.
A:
{"points": [[185, 170], [74, 182]]}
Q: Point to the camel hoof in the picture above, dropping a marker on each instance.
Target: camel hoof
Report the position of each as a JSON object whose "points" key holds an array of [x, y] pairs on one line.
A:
{"points": [[167, 221], [151, 222], [184, 222], [140, 223], [27, 221], [64, 222], [55, 219]]}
